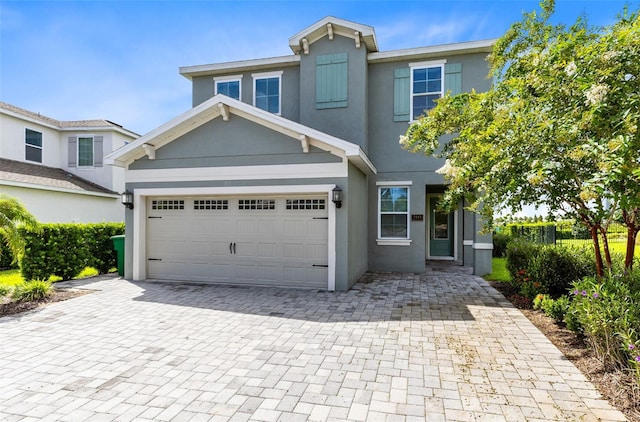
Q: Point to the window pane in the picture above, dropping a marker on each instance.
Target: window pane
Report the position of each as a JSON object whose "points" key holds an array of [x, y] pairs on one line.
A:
{"points": [[261, 87], [441, 225], [434, 85], [434, 73], [420, 74], [33, 138], [268, 94], [393, 199], [393, 225], [85, 152], [33, 154], [431, 101], [234, 90], [419, 87]]}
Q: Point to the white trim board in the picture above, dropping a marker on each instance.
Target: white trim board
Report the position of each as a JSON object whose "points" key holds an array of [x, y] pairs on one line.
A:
{"points": [[139, 264], [285, 171]]}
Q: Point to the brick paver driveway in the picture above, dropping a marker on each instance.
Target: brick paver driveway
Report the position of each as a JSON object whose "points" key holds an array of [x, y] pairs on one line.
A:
{"points": [[437, 346]]}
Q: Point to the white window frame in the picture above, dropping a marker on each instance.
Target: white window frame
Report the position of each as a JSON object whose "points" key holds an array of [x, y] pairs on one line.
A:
{"points": [[425, 65], [394, 241], [231, 78], [93, 158], [269, 75], [27, 145]]}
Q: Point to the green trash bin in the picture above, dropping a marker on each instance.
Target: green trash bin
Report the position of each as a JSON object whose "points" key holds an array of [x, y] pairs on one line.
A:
{"points": [[118, 245]]}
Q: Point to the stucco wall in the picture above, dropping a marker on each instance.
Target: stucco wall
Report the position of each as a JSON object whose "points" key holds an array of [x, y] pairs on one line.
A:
{"points": [[357, 204], [348, 123], [237, 142], [61, 207]]}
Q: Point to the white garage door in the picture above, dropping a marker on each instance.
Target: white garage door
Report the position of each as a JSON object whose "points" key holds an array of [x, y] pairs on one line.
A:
{"points": [[277, 241]]}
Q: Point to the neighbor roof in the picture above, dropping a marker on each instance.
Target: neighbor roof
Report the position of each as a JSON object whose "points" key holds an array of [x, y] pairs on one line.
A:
{"points": [[18, 173], [63, 124], [223, 106]]}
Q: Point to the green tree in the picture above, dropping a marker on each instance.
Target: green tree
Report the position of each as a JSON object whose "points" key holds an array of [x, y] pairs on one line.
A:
{"points": [[14, 215], [557, 128]]}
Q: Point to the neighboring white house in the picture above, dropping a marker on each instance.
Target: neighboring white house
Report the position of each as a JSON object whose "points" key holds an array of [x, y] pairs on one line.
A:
{"points": [[55, 168]]}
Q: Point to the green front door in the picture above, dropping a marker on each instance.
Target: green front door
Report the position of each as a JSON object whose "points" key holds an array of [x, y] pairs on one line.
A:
{"points": [[440, 230]]}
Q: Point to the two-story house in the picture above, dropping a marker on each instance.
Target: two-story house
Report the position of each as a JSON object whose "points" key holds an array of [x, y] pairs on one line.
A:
{"points": [[287, 171], [56, 168]]}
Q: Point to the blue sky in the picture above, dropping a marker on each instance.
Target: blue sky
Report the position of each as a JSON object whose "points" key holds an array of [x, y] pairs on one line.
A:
{"points": [[118, 60]]}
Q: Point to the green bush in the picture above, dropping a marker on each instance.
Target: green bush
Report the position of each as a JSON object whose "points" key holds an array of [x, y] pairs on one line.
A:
{"points": [[6, 257], [555, 268], [32, 291], [500, 242], [64, 250], [556, 308], [519, 254], [607, 312]]}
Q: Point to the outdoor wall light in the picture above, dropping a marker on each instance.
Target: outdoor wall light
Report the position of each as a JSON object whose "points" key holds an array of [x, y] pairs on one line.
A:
{"points": [[127, 199], [336, 196]]}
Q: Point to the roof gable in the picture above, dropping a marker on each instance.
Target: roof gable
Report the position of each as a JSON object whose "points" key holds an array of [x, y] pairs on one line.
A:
{"points": [[221, 106], [330, 26]]}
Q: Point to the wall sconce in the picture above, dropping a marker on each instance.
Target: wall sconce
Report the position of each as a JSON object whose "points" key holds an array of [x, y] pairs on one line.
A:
{"points": [[336, 196], [127, 199]]}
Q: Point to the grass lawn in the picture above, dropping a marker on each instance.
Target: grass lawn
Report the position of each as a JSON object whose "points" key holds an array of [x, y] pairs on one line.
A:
{"points": [[499, 273], [11, 278]]}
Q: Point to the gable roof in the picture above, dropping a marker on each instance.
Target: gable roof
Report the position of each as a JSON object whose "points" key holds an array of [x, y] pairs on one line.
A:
{"points": [[18, 173], [223, 106], [331, 25], [63, 125]]}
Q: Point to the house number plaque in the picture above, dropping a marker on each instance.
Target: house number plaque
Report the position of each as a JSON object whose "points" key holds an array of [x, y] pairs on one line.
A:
{"points": [[417, 217]]}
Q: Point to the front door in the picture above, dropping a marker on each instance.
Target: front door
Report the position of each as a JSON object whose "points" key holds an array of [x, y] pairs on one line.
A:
{"points": [[440, 230]]}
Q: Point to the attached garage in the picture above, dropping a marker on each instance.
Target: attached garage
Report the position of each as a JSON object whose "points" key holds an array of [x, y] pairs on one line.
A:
{"points": [[250, 240]]}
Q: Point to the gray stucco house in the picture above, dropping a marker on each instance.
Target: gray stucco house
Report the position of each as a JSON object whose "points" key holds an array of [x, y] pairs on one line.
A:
{"points": [[240, 188]]}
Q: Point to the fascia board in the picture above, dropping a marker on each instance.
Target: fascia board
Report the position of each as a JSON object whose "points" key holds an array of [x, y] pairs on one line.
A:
{"points": [[482, 46], [244, 65]]}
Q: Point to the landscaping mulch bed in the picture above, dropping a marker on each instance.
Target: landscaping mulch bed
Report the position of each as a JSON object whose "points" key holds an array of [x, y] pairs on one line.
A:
{"points": [[8, 307], [618, 387]]}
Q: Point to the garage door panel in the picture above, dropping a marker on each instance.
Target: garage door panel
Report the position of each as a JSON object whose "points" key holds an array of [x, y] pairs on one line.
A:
{"points": [[277, 241]]}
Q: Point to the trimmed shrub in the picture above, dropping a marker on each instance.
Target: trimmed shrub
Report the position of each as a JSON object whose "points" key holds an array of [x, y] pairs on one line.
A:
{"points": [[555, 268], [500, 242], [64, 250]]}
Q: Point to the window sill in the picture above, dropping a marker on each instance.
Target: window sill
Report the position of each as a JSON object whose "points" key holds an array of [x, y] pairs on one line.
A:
{"points": [[393, 242]]}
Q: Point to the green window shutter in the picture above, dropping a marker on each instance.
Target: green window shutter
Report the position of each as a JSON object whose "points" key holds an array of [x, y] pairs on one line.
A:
{"points": [[97, 151], [453, 78], [331, 81], [401, 94], [73, 151]]}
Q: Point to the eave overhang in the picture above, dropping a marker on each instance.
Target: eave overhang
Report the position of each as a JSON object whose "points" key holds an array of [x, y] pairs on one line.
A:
{"points": [[331, 26]]}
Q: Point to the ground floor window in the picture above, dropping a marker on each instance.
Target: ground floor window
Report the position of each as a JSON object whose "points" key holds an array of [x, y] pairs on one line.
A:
{"points": [[393, 217]]}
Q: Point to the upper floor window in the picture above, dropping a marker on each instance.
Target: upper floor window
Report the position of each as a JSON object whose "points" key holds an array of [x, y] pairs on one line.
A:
{"points": [[267, 91], [33, 145], [427, 82], [85, 151], [229, 86]]}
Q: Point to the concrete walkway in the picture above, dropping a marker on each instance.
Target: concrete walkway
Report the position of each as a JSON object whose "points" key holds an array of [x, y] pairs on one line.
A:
{"points": [[437, 346]]}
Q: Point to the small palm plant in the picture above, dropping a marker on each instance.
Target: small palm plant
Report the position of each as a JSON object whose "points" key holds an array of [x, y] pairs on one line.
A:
{"points": [[13, 216]]}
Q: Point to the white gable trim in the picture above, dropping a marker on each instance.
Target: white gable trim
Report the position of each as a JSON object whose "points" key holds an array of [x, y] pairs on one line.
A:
{"points": [[330, 26], [210, 110]]}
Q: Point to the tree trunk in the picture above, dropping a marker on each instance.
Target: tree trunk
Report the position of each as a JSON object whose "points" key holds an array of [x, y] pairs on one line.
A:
{"points": [[605, 244], [596, 248], [633, 227]]}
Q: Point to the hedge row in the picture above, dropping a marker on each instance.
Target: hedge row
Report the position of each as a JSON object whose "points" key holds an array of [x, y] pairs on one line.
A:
{"points": [[64, 250]]}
